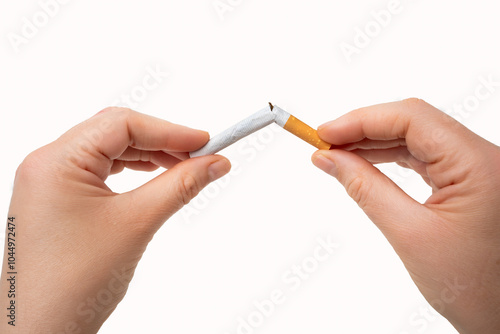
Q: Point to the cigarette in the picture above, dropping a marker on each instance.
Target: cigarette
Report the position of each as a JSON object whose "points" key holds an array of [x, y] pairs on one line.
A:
{"points": [[238, 131], [299, 128], [258, 121]]}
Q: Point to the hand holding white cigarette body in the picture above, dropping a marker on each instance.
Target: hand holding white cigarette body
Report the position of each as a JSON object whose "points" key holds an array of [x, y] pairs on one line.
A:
{"points": [[78, 242]]}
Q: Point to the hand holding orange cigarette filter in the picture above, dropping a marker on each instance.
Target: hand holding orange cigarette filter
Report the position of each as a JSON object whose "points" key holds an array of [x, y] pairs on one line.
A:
{"points": [[258, 121], [299, 128]]}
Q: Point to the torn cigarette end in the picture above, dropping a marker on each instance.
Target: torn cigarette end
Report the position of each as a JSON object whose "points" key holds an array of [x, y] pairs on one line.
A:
{"points": [[258, 121], [300, 129]]}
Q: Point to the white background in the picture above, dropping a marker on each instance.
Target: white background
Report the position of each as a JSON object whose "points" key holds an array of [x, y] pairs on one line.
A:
{"points": [[231, 246]]}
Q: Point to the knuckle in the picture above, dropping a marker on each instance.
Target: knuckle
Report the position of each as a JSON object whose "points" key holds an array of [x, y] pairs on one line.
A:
{"points": [[125, 111], [397, 128], [360, 112], [189, 187], [30, 166], [118, 113], [145, 156], [414, 104], [117, 110], [107, 110], [356, 188]]}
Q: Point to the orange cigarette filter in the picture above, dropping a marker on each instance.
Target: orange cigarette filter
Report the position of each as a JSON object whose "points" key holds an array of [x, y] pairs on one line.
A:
{"points": [[299, 128]]}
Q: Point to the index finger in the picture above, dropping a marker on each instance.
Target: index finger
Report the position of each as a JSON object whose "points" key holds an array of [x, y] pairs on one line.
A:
{"points": [[426, 130], [95, 143], [114, 129]]}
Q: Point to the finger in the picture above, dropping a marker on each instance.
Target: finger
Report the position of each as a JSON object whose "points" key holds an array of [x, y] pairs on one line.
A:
{"points": [[403, 164], [132, 153], [106, 136], [384, 155], [145, 132], [399, 155], [117, 167], [388, 121], [166, 194], [427, 131], [143, 166], [159, 158], [179, 155], [396, 154], [382, 200], [367, 144]]}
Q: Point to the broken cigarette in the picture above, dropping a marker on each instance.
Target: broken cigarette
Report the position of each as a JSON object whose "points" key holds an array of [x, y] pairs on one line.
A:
{"points": [[238, 131], [258, 121], [299, 128]]}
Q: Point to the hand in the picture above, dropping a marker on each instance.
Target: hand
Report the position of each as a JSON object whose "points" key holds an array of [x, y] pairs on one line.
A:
{"points": [[450, 244], [77, 242]]}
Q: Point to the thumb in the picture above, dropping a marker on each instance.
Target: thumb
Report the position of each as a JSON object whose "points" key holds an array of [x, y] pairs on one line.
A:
{"points": [[387, 205], [166, 194]]}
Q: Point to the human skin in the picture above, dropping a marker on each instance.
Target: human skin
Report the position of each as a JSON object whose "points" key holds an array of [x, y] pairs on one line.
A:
{"points": [[450, 244], [77, 242]]}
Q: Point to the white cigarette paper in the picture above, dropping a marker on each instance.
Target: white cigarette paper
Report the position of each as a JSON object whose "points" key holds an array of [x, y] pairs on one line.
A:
{"points": [[239, 131], [280, 116], [256, 122]]}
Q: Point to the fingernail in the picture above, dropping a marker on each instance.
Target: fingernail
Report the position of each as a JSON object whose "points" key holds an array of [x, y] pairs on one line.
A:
{"points": [[218, 169], [325, 164]]}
